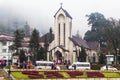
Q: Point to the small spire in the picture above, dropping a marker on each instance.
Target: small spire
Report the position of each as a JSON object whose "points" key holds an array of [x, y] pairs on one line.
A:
{"points": [[61, 4]]}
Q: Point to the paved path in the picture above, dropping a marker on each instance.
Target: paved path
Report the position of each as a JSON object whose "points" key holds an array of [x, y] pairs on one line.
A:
{"points": [[3, 75]]}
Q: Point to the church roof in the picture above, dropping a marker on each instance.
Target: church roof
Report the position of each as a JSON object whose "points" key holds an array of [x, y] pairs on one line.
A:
{"points": [[66, 13], [79, 41], [93, 45]]}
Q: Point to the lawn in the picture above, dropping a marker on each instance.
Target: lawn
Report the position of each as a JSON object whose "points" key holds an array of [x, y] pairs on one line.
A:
{"points": [[63, 74]]}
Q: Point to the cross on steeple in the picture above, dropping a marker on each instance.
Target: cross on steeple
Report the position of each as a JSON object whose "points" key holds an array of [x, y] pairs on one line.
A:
{"points": [[61, 4]]}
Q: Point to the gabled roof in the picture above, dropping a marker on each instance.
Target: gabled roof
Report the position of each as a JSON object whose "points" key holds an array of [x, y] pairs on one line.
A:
{"points": [[66, 13], [61, 48], [6, 38], [93, 45], [79, 41]]}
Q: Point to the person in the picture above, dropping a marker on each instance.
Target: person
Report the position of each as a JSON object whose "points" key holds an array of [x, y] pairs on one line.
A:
{"points": [[24, 65], [0, 65], [67, 65], [18, 65], [28, 64], [52, 66], [74, 67], [9, 71]]}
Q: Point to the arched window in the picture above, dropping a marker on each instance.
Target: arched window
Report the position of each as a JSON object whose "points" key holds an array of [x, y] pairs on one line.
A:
{"points": [[64, 34], [59, 33]]}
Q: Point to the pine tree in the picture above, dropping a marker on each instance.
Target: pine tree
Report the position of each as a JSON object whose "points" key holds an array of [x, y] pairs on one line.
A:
{"points": [[40, 54], [19, 34], [34, 44], [51, 35], [22, 56], [46, 47], [82, 55]]}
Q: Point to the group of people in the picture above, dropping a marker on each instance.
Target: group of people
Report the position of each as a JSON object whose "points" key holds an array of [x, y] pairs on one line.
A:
{"points": [[24, 65], [2, 63]]}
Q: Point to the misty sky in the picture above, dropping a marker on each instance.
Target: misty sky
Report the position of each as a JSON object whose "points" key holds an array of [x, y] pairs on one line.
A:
{"points": [[39, 13]]}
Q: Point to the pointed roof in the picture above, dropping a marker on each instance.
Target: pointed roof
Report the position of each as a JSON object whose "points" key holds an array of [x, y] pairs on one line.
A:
{"points": [[60, 48], [79, 41], [93, 45], [66, 13]]}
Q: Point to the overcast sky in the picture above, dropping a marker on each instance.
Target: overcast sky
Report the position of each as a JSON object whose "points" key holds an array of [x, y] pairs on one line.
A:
{"points": [[39, 13]]}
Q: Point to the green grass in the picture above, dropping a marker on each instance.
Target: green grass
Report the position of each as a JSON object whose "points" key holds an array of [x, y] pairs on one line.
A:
{"points": [[19, 75], [111, 74]]}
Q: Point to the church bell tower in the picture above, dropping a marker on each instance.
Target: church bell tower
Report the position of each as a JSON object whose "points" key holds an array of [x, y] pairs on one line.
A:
{"points": [[63, 27]]}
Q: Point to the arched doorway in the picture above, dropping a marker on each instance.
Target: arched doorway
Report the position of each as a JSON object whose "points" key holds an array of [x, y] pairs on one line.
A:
{"points": [[59, 57]]}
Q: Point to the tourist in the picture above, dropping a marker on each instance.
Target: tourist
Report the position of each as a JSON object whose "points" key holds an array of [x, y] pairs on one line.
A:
{"points": [[24, 65], [0, 65], [28, 64]]}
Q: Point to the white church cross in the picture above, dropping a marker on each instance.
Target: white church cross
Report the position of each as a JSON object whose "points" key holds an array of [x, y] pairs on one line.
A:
{"points": [[61, 4]]}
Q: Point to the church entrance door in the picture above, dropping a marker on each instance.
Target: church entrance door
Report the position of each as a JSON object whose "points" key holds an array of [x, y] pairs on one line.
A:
{"points": [[59, 57]]}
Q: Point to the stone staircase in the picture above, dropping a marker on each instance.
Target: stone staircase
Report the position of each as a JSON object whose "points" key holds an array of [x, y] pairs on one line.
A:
{"points": [[4, 75], [63, 67]]}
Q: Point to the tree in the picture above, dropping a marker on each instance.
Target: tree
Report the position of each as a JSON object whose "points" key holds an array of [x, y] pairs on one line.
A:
{"points": [[51, 35], [22, 56], [46, 44], [34, 44], [97, 21], [111, 35], [82, 54], [19, 34], [40, 54], [102, 58]]}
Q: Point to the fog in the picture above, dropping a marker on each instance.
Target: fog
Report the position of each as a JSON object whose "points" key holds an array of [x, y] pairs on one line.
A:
{"points": [[39, 13]]}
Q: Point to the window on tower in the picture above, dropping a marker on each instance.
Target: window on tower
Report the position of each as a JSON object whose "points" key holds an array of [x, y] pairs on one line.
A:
{"points": [[64, 34], [59, 33]]}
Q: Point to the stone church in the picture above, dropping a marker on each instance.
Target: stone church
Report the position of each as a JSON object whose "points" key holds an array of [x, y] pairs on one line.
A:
{"points": [[65, 46]]}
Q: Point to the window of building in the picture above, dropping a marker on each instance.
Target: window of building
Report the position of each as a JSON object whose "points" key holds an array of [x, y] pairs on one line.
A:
{"points": [[59, 33], [64, 34], [70, 28], [4, 43], [4, 50]]}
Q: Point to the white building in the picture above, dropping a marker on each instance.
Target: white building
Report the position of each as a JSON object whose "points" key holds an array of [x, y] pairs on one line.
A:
{"points": [[5, 42]]}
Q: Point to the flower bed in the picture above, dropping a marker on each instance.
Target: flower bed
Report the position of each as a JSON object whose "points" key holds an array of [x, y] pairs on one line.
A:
{"points": [[30, 72], [63, 74], [38, 76], [73, 74], [95, 74], [33, 74], [51, 74]]}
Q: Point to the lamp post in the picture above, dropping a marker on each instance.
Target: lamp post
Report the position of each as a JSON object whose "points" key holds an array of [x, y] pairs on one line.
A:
{"points": [[28, 57]]}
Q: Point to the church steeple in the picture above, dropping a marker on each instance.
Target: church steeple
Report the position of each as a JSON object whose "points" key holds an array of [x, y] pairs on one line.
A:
{"points": [[63, 26], [65, 12]]}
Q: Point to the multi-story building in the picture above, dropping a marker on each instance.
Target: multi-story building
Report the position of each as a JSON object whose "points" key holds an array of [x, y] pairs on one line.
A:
{"points": [[5, 42]]}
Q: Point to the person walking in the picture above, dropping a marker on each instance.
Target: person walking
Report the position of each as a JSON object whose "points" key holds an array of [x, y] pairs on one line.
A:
{"points": [[28, 64], [24, 65]]}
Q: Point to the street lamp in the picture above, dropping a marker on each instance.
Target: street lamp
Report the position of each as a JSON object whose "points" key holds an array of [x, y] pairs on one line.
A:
{"points": [[28, 57]]}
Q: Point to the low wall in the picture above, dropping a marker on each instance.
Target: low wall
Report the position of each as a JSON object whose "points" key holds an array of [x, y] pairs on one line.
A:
{"points": [[83, 79]]}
